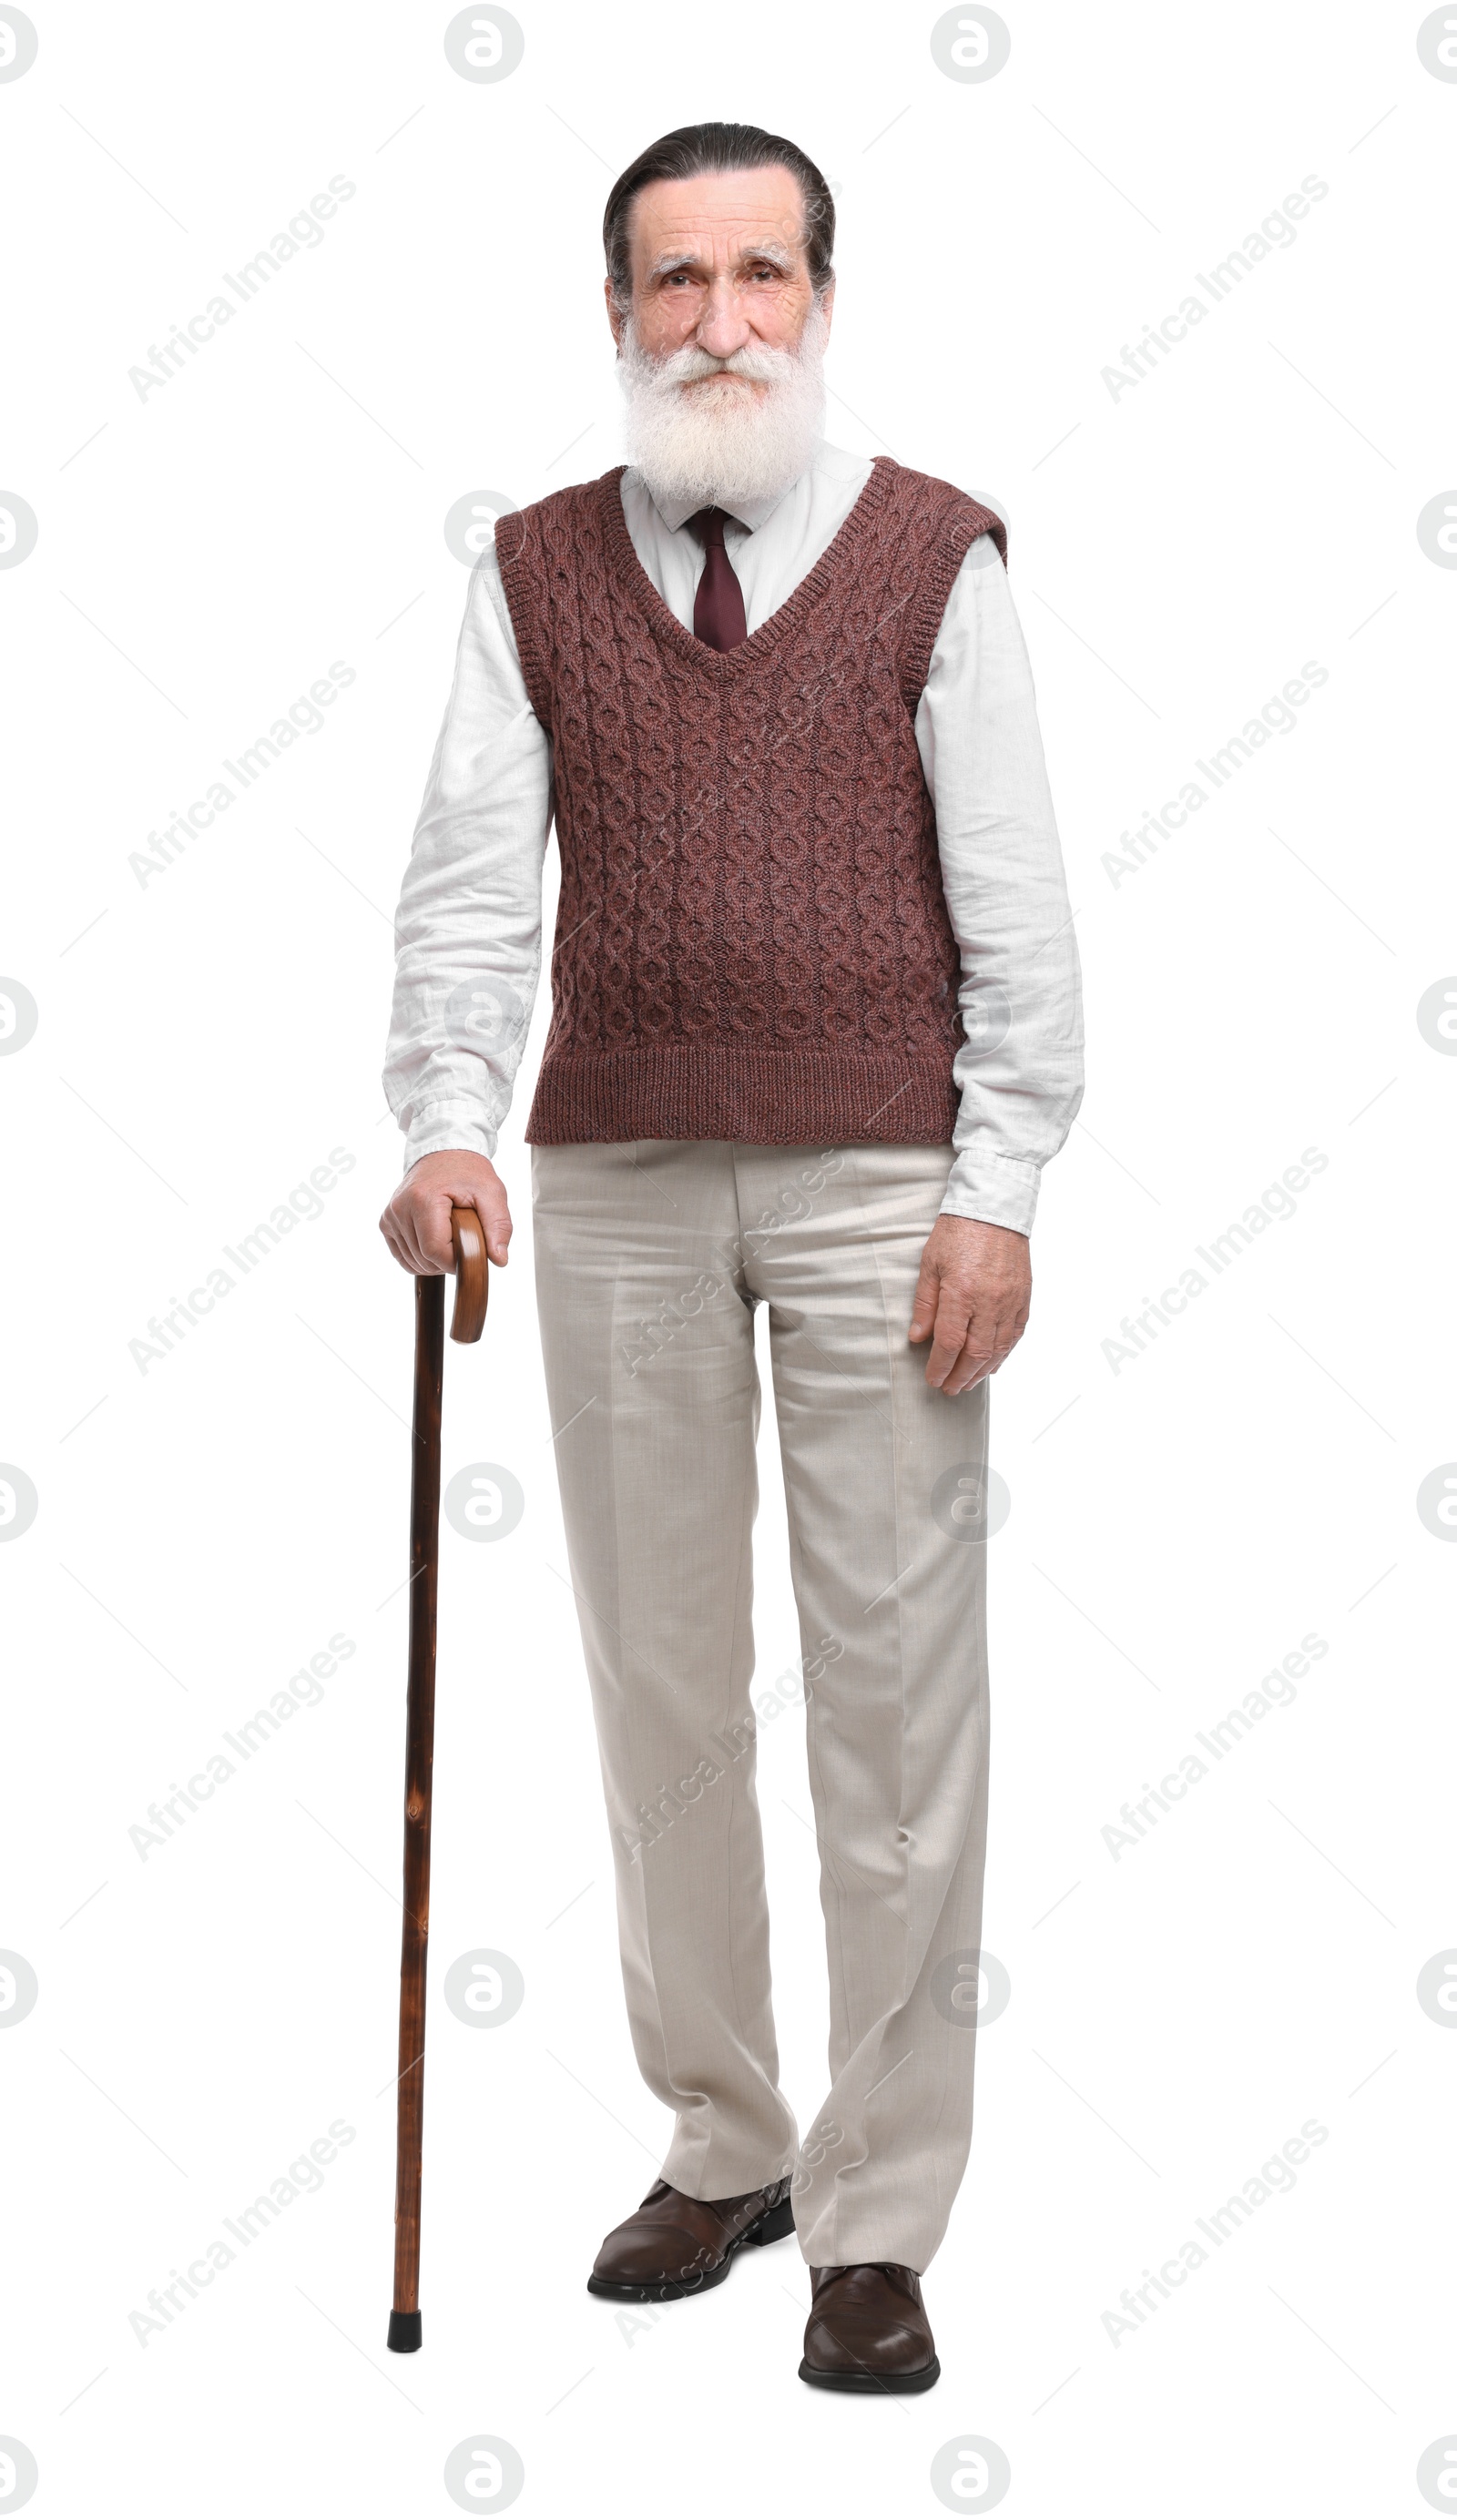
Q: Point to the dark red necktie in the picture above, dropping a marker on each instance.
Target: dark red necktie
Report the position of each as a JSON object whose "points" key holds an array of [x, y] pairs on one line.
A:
{"points": [[718, 605]]}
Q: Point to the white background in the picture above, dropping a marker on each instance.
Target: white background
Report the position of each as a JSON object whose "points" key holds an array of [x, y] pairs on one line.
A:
{"points": [[1177, 1526]]}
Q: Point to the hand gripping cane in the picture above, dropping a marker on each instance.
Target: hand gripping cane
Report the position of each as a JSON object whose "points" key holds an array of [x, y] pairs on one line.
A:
{"points": [[465, 1324]]}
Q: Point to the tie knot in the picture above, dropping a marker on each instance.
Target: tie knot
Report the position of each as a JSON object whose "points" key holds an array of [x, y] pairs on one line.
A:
{"points": [[708, 527]]}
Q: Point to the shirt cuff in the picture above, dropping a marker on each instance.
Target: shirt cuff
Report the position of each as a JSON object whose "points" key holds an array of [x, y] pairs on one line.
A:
{"points": [[445, 1129], [994, 1189]]}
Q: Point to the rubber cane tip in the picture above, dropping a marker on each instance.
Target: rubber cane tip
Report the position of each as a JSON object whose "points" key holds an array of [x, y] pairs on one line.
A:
{"points": [[404, 2332]]}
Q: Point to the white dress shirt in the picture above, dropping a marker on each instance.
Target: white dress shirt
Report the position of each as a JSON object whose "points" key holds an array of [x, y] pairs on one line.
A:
{"points": [[470, 911]]}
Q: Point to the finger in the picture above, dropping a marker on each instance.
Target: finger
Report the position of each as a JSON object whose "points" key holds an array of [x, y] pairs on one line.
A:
{"points": [[396, 1249], [430, 1215], [952, 1318], [973, 1365], [923, 1310], [409, 1218], [393, 1227], [979, 1354], [982, 1357], [495, 1223]]}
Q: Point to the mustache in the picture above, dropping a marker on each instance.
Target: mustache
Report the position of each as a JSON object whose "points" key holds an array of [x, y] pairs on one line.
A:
{"points": [[758, 365]]}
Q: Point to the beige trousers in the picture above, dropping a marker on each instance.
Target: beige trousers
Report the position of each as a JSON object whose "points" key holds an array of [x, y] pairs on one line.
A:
{"points": [[650, 1258]]}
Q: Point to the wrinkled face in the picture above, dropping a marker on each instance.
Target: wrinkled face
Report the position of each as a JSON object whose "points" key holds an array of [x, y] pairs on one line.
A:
{"points": [[718, 265]]}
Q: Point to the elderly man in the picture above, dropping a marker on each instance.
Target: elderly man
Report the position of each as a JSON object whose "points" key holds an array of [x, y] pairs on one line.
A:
{"points": [[815, 1028]]}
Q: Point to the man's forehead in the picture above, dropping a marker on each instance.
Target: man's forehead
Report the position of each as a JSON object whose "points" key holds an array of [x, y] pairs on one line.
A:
{"points": [[720, 216]]}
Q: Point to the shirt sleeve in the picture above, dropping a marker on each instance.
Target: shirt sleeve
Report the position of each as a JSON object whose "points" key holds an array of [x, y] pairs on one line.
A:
{"points": [[468, 930], [1018, 1070]]}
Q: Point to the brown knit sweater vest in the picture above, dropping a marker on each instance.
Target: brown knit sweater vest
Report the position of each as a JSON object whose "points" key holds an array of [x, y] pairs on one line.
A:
{"points": [[753, 939]]}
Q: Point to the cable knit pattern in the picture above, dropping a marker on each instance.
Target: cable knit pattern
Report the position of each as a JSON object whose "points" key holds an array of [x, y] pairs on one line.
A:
{"points": [[752, 940]]}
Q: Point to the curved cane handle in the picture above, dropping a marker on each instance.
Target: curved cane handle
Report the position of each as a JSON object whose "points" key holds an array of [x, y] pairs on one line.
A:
{"points": [[468, 1320]]}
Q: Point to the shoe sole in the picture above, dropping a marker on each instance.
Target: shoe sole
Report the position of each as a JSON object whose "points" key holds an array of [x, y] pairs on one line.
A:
{"points": [[776, 2224], [894, 2384]]}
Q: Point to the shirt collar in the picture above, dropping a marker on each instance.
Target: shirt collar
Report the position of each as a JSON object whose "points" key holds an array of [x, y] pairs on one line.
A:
{"points": [[752, 514]]}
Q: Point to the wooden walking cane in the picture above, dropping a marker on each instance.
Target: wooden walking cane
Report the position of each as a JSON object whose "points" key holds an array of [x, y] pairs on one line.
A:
{"points": [[466, 1321]]}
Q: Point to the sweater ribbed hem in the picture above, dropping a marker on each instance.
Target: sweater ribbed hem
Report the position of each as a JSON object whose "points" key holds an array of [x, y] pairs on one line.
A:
{"points": [[759, 1097]]}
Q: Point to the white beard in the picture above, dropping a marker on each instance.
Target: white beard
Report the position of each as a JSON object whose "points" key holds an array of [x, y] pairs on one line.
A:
{"points": [[717, 442]]}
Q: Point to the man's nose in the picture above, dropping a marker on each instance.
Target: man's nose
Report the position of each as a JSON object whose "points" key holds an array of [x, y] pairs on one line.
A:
{"points": [[722, 327]]}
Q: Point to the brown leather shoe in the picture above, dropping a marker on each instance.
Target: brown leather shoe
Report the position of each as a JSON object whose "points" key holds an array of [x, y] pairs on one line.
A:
{"points": [[676, 2245], [868, 2330]]}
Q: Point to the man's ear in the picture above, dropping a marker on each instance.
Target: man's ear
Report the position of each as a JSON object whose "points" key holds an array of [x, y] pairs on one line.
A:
{"points": [[827, 302], [614, 311]]}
